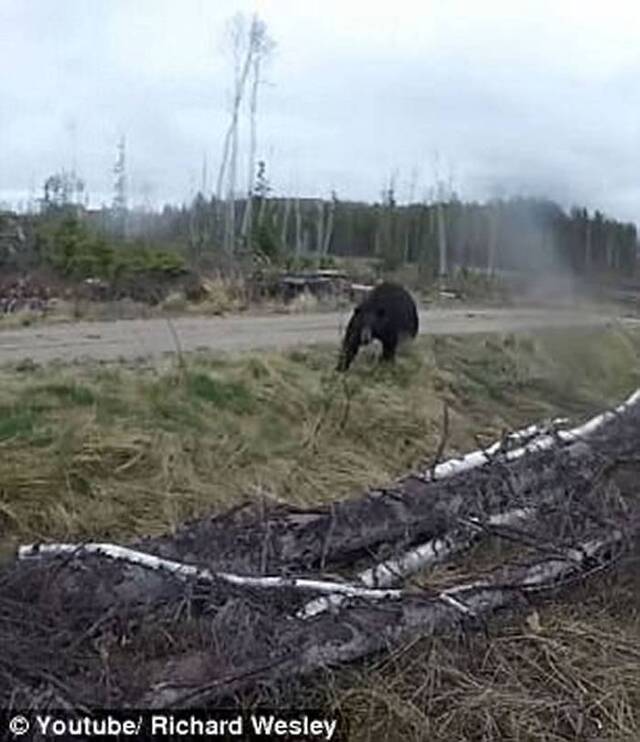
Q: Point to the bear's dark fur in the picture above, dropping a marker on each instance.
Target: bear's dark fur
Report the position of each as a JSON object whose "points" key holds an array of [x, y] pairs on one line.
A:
{"points": [[387, 314]]}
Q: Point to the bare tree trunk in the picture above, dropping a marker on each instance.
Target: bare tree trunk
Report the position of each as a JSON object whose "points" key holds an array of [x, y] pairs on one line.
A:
{"points": [[407, 237], [228, 165], [493, 241], [320, 227], [248, 213], [298, 229], [611, 262], [193, 238], [232, 130], [442, 240], [588, 257], [328, 232], [422, 236], [245, 229], [285, 224], [230, 225], [263, 210]]}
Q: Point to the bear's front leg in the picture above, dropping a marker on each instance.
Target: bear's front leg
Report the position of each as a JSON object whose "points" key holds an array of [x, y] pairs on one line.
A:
{"points": [[389, 345]]}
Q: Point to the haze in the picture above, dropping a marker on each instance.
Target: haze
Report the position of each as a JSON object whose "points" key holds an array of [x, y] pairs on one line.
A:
{"points": [[499, 98]]}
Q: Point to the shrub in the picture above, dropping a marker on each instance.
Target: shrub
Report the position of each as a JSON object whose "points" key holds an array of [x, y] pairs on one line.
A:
{"points": [[76, 253], [265, 242]]}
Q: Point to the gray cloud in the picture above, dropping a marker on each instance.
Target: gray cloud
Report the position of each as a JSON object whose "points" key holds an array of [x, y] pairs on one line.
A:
{"points": [[512, 97]]}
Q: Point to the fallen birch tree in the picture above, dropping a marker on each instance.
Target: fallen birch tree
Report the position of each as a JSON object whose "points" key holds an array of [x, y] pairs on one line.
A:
{"points": [[393, 571], [294, 542], [90, 619], [415, 509], [248, 638], [370, 584], [364, 629]]}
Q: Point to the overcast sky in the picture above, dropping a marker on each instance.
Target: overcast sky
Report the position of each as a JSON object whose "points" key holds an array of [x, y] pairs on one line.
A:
{"points": [[537, 98]]}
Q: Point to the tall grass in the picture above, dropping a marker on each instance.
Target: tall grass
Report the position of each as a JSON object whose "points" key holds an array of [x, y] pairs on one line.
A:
{"points": [[113, 451]]}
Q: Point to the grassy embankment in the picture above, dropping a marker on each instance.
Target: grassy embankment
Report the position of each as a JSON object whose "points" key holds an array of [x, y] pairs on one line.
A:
{"points": [[112, 451]]}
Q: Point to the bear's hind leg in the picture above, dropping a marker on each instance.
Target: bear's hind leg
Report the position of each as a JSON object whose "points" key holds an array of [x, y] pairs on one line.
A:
{"points": [[389, 345]]}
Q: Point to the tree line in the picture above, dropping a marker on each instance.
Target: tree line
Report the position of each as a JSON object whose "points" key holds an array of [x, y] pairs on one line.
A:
{"points": [[438, 238], [516, 234]]}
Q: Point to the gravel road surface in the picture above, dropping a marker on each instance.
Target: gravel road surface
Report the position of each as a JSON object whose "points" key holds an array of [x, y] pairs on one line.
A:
{"points": [[144, 338]]}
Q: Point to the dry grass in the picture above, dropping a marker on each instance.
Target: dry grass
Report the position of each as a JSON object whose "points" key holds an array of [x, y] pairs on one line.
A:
{"points": [[112, 451], [566, 672], [220, 296], [562, 671]]}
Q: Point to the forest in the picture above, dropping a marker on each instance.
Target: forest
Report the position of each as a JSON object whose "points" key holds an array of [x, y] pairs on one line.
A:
{"points": [[519, 234]]}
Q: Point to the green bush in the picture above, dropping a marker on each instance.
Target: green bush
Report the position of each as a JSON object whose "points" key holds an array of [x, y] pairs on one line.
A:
{"points": [[302, 263], [265, 242], [309, 262], [76, 253]]}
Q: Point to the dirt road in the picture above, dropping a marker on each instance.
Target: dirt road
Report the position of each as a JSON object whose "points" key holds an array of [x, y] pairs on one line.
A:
{"points": [[130, 339]]}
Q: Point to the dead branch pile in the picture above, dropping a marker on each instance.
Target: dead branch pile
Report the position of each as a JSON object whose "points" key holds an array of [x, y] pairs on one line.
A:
{"points": [[198, 624], [23, 293]]}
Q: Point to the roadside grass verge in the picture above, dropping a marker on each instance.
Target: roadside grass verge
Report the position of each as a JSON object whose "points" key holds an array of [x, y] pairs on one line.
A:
{"points": [[113, 451]]}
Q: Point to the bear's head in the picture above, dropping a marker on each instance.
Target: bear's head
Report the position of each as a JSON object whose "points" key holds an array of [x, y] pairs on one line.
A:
{"points": [[365, 324]]}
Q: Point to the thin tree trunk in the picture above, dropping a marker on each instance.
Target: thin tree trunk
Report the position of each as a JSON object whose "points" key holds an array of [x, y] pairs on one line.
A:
{"points": [[611, 262], [493, 241], [230, 149], [421, 245], [263, 210], [248, 213], [407, 238], [320, 227], [442, 240], [588, 257], [328, 232], [245, 229], [285, 224], [298, 229]]}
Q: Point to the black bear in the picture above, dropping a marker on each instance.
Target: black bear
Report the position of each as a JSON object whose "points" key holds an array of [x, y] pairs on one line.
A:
{"points": [[387, 314]]}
